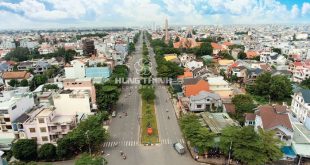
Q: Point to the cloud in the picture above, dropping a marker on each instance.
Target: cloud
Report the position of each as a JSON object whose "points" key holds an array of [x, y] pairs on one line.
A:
{"points": [[305, 8], [294, 11], [64, 13]]}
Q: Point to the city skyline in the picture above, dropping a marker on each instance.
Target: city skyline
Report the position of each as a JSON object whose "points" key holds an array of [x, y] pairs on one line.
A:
{"points": [[40, 14]]}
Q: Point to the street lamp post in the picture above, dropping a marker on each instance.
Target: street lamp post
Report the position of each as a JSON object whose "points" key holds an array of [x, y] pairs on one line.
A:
{"points": [[89, 149]]}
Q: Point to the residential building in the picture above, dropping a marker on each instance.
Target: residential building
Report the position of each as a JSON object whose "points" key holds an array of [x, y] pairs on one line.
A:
{"points": [[185, 58], [45, 125], [194, 64], [216, 122], [81, 84], [219, 86], [224, 64], [73, 102], [192, 86], [300, 106], [205, 101], [14, 102], [88, 47], [16, 75], [75, 70], [273, 118]]}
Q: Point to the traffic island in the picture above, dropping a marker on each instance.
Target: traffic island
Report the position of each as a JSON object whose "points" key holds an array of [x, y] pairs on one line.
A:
{"points": [[149, 131]]}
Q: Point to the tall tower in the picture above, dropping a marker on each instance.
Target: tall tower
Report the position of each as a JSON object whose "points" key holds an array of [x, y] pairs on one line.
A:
{"points": [[166, 31]]}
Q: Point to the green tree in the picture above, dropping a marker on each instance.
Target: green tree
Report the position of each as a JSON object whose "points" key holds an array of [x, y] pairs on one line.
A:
{"points": [[280, 87], [24, 83], [18, 54], [25, 149], [177, 39], [262, 84], [106, 96], [271, 145], [277, 50], [243, 104], [305, 83], [225, 55], [148, 93], [13, 83], [47, 152], [241, 55], [37, 81], [77, 141], [50, 86], [89, 160], [204, 49]]}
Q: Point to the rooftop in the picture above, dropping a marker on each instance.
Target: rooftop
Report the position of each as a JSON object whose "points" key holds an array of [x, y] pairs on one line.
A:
{"points": [[217, 121]]}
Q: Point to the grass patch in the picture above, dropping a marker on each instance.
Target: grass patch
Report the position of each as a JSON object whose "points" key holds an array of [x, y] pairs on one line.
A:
{"points": [[148, 119]]}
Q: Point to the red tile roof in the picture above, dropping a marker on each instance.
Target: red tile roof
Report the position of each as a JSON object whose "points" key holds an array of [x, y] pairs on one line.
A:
{"points": [[216, 46], [251, 54], [271, 118], [16, 75], [201, 85], [250, 116], [230, 108]]}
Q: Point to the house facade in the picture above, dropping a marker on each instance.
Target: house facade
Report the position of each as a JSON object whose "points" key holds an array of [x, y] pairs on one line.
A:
{"points": [[204, 101], [300, 106]]}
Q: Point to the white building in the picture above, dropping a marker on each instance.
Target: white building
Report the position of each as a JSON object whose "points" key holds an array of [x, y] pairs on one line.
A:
{"points": [[219, 86], [73, 102], [45, 126], [75, 70], [300, 106], [13, 104]]}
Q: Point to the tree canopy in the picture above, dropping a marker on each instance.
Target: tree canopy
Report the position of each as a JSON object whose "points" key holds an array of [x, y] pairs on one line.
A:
{"points": [[18, 54], [77, 141], [241, 55], [199, 137], [25, 150], [47, 152], [204, 49], [277, 87], [250, 147], [243, 104]]}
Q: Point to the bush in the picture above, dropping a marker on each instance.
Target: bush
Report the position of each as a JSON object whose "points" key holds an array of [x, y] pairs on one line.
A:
{"points": [[47, 152], [25, 149]]}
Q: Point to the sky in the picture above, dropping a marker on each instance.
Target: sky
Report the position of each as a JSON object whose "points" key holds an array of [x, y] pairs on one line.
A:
{"points": [[40, 14]]}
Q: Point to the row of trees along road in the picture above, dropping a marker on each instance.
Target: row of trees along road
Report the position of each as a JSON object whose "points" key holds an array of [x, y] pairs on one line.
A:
{"points": [[247, 145], [75, 142]]}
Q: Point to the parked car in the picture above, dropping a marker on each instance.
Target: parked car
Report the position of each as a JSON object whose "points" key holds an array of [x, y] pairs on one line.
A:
{"points": [[114, 114], [179, 148]]}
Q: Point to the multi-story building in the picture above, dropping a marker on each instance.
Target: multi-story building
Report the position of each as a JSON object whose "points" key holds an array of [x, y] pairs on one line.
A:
{"points": [[300, 106], [81, 84], [13, 103], [73, 102], [80, 69], [88, 47], [46, 126]]}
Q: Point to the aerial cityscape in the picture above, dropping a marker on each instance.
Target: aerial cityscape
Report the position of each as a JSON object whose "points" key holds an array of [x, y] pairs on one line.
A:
{"points": [[154, 82]]}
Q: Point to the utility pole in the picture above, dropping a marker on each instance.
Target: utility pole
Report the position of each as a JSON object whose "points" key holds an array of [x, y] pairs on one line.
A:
{"points": [[228, 162], [89, 149]]}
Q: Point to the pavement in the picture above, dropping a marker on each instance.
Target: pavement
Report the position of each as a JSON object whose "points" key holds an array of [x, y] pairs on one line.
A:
{"points": [[125, 131]]}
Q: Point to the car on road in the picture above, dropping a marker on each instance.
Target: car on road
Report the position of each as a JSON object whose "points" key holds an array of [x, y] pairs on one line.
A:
{"points": [[114, 114], [179, 148]]}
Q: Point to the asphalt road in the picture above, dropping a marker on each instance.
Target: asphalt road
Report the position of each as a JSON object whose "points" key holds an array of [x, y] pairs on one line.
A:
{"points": [[124, 131]]}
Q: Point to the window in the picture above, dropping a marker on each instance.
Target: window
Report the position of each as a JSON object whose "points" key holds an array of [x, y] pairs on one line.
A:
{"points": [[63, 127], [7, 119], [14, 107], [54, 127], [4, 111], [32, 130], [34, 138], [41, 120], [198, 106], [8, 127], [43, 129], [44, 138]]}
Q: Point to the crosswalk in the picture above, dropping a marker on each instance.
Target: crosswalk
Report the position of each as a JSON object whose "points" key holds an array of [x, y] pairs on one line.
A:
{"points": [[171, 141], [128, 143], [132, 143]]}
